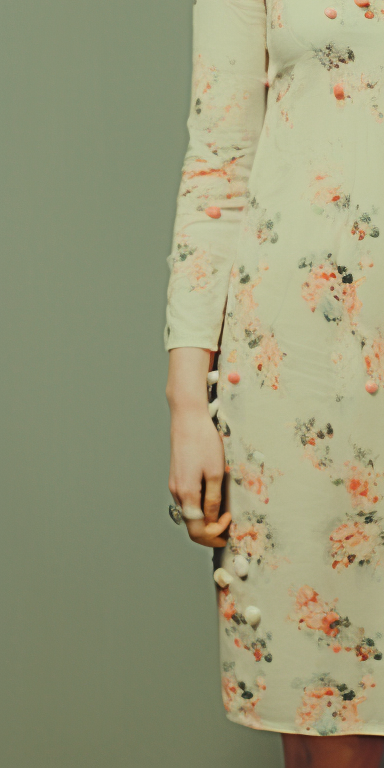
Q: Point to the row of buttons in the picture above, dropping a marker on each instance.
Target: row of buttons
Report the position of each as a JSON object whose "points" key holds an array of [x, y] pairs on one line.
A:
{"points": [[332, 13], [252, 613], [223, 579]]}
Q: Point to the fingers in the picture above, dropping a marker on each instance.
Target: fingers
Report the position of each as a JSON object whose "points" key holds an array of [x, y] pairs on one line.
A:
{"points": [[219, 542], [185, 496], [223, 521], [218, 529], [211, 530], [191, 498], [209, 534], [212, 499]]}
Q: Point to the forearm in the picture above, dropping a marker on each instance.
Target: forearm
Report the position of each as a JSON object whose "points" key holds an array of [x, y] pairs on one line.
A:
{"points": [[187, 377]]}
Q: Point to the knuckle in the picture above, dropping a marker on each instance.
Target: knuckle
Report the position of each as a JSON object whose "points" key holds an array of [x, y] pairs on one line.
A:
{"points": [[212, 501], [212, 509], [185, 491], [215, 476]]}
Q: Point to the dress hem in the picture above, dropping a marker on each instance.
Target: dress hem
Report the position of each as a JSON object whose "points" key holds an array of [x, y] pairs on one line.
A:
{"points": [[265, 727]]}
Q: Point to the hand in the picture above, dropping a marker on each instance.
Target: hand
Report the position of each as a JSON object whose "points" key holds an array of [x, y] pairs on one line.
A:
{"points": [[197, 454]]}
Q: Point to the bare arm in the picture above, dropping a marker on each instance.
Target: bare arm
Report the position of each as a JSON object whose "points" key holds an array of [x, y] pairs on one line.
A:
{"points": [[196, 448]]}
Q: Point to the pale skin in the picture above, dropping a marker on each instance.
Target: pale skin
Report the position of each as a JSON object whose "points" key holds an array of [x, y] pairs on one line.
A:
{"points": [[197, 459]]}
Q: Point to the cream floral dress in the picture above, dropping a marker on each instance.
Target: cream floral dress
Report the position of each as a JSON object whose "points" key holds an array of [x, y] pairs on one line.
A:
{"points": [[277, 264]]}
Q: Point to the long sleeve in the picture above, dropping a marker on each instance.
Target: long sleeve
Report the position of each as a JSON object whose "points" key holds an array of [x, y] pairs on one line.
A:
{"points": [[227, 108]]}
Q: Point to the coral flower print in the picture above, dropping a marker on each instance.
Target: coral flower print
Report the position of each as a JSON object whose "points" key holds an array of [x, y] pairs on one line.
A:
{"points": [[216, 108], [203, 183], [315, 442], [226, 604], [360, 479], [322, 621], [253, 474], [240, 698], [313, 613], [252, 537], [373, 356], [246, 320], [241, 634], [333, 289], [347, 82], [267, 358], [192, 264], [359, 537], [255, 481], [358, 541], [277, 14], [197, 270], [329, 707], [326, 194], [262, 225], [363, 225], [259, 344]]}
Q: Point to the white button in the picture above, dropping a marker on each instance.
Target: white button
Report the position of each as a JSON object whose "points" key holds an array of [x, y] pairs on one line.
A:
{"points": [[252, 615], [213, 407], [241, 566], [213, 377], [222, 577]]}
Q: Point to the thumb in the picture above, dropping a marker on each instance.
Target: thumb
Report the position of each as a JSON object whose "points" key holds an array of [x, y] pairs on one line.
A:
{"points": [[217, 528], [223, 522]]}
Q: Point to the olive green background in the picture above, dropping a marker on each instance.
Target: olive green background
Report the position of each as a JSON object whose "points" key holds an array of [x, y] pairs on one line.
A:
{"points": [[108, 636]]}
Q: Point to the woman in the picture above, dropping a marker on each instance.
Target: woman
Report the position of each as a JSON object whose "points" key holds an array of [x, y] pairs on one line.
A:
{"points": [[276, 283]]}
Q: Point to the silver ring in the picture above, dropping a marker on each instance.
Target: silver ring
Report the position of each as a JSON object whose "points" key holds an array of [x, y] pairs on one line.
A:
{"points": [[180, 515], [175, 512], [192, 513]]}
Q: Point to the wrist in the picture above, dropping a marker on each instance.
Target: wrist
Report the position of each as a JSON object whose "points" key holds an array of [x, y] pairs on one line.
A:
{"points": [[187, 379]]}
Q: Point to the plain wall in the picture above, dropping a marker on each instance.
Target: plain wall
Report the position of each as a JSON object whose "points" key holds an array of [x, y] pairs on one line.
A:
{"points": [[108, 630]]}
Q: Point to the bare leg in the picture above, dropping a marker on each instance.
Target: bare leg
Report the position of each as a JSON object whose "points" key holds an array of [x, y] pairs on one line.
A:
{"points": [[301, 751]]}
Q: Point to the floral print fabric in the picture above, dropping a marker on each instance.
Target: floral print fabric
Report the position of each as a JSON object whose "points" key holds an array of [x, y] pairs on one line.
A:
{"points": [[277, 262]]}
